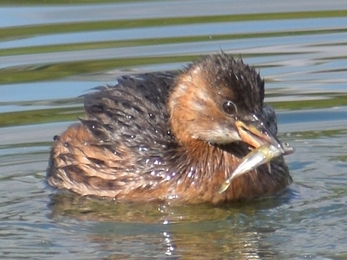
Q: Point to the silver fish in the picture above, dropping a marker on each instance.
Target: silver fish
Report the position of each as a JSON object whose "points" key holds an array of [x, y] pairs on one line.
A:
{"points": [[263, 154]]}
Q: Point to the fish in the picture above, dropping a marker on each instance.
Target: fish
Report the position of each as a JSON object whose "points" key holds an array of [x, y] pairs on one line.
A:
{"points": [[261, 155]]}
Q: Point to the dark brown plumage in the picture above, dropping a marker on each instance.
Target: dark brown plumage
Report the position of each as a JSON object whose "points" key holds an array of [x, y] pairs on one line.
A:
{"points": [[171, 136]]}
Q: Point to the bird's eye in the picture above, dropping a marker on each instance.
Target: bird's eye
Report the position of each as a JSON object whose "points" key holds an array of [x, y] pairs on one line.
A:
{"points": [[229, 108]]}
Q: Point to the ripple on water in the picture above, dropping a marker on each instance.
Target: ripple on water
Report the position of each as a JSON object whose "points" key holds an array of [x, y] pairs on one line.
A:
{"points": [[51, 54]]}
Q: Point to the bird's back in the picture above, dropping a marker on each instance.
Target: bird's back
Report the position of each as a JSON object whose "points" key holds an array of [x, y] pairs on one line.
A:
{"points": [[122, 139], [132, 113]]}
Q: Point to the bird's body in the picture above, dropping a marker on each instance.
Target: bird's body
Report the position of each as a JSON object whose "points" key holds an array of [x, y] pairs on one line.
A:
{"points": [[171, 136]]}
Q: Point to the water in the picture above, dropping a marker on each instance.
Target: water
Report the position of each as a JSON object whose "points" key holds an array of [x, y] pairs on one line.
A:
{"points": [[51, 54]]}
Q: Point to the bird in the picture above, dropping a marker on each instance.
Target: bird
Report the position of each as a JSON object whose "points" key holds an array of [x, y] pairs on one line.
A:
{"points": [[172, 137]]}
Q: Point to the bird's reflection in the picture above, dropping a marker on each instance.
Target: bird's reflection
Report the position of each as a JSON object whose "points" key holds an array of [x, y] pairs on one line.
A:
{"points": [[138, 231]]}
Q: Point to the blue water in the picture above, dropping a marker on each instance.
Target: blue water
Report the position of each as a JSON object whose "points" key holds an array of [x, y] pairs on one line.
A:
{"points": [[52, 53]]}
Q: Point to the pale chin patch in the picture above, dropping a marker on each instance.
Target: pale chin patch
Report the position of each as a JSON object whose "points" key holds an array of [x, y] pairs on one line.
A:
{"points": [[220, 136]]}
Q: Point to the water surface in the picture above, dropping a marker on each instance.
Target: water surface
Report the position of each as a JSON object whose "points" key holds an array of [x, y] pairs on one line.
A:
{"points": [[50, 54]]}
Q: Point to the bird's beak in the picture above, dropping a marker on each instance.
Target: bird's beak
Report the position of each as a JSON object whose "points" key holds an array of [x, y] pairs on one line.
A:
{"points": [[256, 133]]}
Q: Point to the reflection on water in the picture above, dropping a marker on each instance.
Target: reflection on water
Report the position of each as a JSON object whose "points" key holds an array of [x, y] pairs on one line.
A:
{"points": [[52, 54], [181, 231]]}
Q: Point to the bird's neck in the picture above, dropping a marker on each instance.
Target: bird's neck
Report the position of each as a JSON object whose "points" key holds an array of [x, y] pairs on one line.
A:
{"points": [[199, 169]]}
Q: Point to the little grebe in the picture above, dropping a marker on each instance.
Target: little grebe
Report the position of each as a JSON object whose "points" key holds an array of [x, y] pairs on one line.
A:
{"points": [[172, 136]]}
